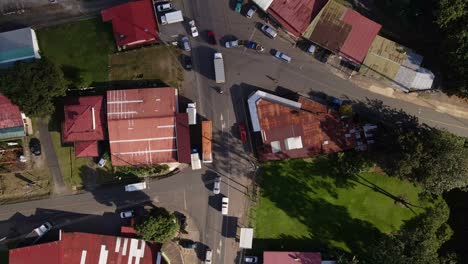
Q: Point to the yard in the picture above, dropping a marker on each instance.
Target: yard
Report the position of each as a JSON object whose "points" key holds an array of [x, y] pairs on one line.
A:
{"points": [[80, 48], [312, 210], [150, 66]]}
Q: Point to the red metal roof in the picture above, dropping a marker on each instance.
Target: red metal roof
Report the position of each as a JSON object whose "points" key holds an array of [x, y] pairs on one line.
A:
{"points": [[142, 126], [86, 149], [295, 15], [313, 123], [284, 257], [133, 23], [183, 138], [76, 248], [84, 119], [10, 114], [360, 38]]}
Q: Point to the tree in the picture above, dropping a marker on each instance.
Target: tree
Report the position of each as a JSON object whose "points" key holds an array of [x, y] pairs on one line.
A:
{"points": [[33, 86], [160, 226]]}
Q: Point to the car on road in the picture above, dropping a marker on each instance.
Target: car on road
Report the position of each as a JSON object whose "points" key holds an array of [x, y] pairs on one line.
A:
{"points": [[251, 12], [250, 259], [185, 43], [126, 214], [187, 243], [224, 206], [43, 229], [211, 38], [282, 56], [187, 63], [164, 7], [238, 5], [231, 44], [217, 185], [268, 31], [208, 256], [242, 132], [35, 146], [193, 28]]}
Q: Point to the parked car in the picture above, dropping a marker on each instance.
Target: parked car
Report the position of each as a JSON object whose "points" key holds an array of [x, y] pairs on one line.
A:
{"points": [[311, 49], [217, 185], [282, 56], [243, 133], [211, 38], [35, 146], [187, 63], [250, 259], [185, 43], [268, 31], [208, 256], [251, 12], [187, 243], [231, 44], [193, 28], [224, 206], [238, 6], [126, 214], [164, 7], [43, 229], [253, 45], [102, 162]]}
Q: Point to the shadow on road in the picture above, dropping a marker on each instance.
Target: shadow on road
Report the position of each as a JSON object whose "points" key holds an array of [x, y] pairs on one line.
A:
{"points": [[205, 54]]}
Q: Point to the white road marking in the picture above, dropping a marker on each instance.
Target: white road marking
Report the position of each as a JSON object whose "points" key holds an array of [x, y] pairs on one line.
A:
{"points": [[185, 201]]}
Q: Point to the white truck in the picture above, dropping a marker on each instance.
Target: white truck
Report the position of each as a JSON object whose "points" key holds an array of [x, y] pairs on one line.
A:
{"points": [[195, 161], [219, 68], [192, 113], [135, 187], [172, 17]]}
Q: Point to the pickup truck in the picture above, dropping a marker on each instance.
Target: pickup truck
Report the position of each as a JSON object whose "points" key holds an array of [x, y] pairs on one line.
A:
{"points": [[252, 45], [36, 234]]}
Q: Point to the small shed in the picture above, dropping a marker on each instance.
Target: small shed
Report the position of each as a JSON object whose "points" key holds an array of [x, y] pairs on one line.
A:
{"points": [[246, 238]]}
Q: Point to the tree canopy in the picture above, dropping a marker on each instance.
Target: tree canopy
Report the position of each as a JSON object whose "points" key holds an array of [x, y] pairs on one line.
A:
{"points": [[33, 86], [160, 226]]}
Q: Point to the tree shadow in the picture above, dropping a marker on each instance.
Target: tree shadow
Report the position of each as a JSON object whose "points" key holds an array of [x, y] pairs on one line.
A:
{"points": [[73, 75]]}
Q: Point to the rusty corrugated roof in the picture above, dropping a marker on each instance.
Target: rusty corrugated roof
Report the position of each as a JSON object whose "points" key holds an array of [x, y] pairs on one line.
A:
{"points": [[10, 114]]}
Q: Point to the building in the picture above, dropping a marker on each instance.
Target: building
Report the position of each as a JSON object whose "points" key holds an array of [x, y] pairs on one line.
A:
{"points": [[343, 31], [293, 15], [388, 60], [11, 120], [290, 129], [134, 23], [286, 257], [18, 45], [145, 127], [84, 124], [83, 248]]}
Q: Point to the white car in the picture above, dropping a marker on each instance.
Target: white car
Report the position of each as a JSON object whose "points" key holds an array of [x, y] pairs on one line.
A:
{"points": [[231, 44], [164, 7], [43, 229], [280, 55], [102, 162], [126, 214], [269, 31], [251, 12], [225, 206], [217, 185], [208, 256], [193, 28], [250, 259]]}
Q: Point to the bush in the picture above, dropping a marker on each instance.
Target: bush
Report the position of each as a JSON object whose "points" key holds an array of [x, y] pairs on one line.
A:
{"points": [[159, 226]]}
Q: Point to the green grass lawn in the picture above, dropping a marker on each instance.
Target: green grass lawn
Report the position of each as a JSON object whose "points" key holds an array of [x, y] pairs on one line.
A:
{"points": [[302, 208], [80, 48], [72, 168]]}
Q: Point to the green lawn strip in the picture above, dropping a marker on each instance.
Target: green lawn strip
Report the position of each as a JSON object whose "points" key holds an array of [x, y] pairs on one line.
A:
{"points": [[81, 48], [70, 166], [303, 207]]}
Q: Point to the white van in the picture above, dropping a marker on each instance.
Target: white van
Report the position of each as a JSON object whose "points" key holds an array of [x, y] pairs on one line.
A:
{"points": [[282, 56], [164, 7], [269, 31], [135, 187], [208, 256]]}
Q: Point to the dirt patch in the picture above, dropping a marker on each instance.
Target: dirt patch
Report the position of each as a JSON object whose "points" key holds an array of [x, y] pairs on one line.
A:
{"points": [[159, 64]]}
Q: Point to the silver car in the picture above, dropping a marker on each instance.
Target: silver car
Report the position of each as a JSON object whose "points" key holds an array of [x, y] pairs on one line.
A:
{"points": [[217, 185], [269, 31], [185, 43], [251, 12]]}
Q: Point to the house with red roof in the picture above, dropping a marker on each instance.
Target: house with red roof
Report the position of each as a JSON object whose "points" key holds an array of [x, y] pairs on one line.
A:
{"points": [[343, 31], [84, 124], [11, 120], [145, 127], [134, 23], [84, 248]]}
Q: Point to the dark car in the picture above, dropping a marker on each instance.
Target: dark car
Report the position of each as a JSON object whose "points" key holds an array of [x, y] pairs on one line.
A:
{"points": [[35, 146], [188, 63], [187, 243], [211, 38]]}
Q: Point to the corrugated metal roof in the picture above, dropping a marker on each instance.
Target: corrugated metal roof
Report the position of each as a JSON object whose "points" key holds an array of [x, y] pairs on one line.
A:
{"points": [[142, 126], [207, 135], [133, 22], [183, 138], [86, 149], [10, 114], [263, 4], [17, 45], [290, 257], [48, 253], [420, 79], [295, 15]]}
